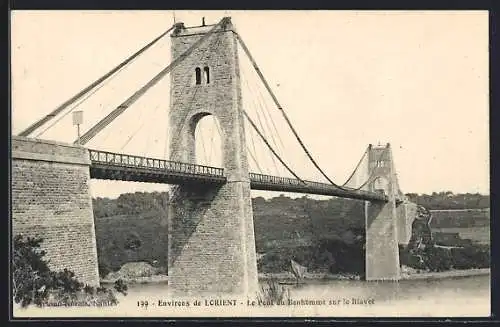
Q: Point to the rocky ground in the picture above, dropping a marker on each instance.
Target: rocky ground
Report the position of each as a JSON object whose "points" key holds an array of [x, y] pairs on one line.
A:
{"points": [[136, 273]]}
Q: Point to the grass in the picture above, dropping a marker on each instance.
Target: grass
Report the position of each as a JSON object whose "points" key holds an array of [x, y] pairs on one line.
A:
{"points": [[479, 234], [273, 292], [460, 218]]}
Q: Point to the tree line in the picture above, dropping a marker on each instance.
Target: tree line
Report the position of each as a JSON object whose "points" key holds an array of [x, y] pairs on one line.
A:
{"points": [[449, 200], [140, 202], [129, 228]]}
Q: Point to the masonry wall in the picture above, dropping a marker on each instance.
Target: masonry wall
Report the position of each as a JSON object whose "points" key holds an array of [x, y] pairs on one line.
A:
{"points": [[51, 199], [207, 252]]}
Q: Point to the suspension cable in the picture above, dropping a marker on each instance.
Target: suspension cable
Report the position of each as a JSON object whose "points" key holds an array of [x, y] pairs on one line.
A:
{"points": [[77, 96], [138, 129], [211, 149], [263, 129], [371, 177], [257, 69], [96, 89], [356, 168], [216, 122], [168, 136], [265, 114], [255, 151], [156, 108], [87, 96], [254, 159], [204, 149], [259, 108], [139, 93], [270, 147], [278, 105], [151, 136], [263, 103], [217, 43]]}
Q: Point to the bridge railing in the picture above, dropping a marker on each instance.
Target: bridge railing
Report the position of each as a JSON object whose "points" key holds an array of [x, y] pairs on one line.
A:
{"points": [[268, 179], [132, 161]]}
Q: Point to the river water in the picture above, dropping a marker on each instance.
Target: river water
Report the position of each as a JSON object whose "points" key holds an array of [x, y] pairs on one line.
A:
{"points": [[449, 297]]}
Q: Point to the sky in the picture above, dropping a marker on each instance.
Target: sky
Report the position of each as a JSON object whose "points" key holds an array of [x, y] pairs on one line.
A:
{"points": [[418, 80]]}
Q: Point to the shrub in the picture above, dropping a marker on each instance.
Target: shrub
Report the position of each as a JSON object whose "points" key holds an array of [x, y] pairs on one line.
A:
{"points": [[133, 241], [120, 286], [273, 292], [471, 257], [89, 290], [331, 255], [434, 258], [437, 259], [30, 272], [35, 283]]}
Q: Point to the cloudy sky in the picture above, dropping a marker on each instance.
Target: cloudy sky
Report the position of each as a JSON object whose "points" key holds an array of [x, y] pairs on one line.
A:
{"points": [[418, 80]]}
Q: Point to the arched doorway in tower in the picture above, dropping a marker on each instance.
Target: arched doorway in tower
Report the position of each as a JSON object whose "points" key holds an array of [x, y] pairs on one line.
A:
{"points": [[381, 184], [208, 142]]}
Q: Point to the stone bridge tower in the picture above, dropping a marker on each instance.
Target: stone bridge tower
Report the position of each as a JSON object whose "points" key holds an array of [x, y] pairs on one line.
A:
{"points": [[387, 224], [381, 219], [211, 233]]}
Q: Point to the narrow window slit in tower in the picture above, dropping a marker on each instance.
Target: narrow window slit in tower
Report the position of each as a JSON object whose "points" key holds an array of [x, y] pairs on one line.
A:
{"points": [[198, 75], [207, 74]]}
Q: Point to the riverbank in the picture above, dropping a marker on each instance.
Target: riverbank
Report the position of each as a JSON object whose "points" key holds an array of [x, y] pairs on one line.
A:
{"points": [[155, 279], [449, 274], [288, 278], [405, 275]]}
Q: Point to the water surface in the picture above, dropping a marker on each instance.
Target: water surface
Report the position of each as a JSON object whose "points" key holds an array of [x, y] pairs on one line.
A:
{"points": [[450, 297]]}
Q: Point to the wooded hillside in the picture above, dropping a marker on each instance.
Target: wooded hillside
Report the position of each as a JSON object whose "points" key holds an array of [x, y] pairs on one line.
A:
{"points": [[133, 226]]}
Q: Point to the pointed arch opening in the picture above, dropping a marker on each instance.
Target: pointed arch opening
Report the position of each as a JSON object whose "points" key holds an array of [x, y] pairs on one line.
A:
{"points": [[208, 146], [381, 184]]}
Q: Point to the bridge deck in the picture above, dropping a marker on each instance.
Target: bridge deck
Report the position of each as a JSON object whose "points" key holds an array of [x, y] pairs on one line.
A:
{"points": [[116, 166], [285, 184]]}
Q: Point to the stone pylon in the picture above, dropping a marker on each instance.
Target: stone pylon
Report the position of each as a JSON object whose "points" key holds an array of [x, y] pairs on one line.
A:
{"points": [[382, 252], [211, 232], [386, 223]]}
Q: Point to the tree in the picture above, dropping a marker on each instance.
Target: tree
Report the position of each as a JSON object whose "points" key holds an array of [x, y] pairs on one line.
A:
{"points": [[133, 241]]}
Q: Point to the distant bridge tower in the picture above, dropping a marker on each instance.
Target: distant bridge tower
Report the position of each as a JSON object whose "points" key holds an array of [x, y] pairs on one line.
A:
{"points": [[387, 224], [381, 219], [381, 160], [211, 234]]}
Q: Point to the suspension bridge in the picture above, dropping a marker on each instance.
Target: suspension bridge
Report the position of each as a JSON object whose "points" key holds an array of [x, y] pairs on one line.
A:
{"points": [[211, 240]]}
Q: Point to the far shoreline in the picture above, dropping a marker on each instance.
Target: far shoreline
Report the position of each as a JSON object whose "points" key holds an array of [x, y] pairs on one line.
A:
{"points": [[287, 278], [449, 274]]}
